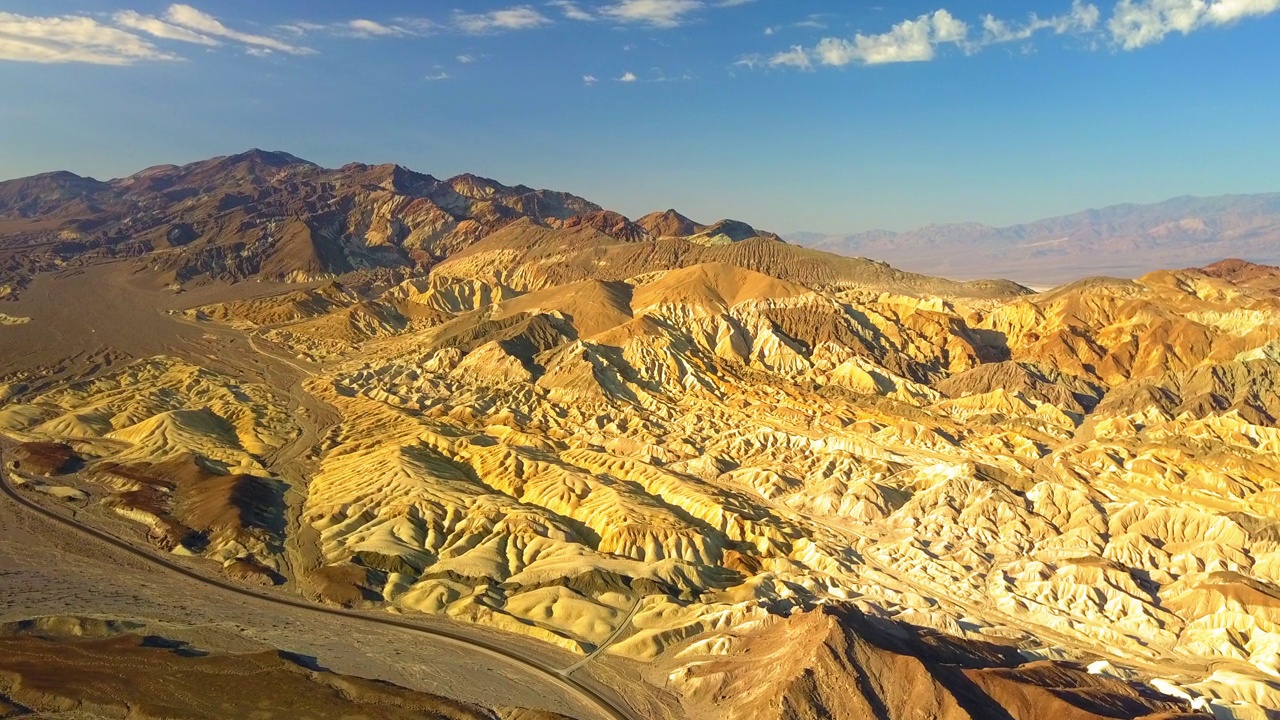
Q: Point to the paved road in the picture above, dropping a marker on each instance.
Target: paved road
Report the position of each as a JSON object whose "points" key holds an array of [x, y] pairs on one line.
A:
{"points": [[562, 678], [622, 627]]}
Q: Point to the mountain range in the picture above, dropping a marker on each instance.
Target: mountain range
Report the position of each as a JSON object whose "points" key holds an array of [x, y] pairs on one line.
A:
{"points": [[529, 459], [273, 216], [1119, 241]]}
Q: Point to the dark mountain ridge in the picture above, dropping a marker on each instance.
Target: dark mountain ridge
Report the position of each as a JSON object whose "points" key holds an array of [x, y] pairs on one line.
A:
{"points": [[271, 215], [259, 213]]}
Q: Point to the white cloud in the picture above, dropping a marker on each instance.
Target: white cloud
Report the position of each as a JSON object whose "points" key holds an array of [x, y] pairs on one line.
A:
{"points": [[947, 29], [362, 28], [1082, 18], [159, 28], [1136, 24], [589, 80], [1133, 24], [655, 13], [71, 39], [520, 17], [628, 77], [572, 11], [815, 22], [192, 19], [658, 13], [796, 57], [438, 77], [418, 25], [465, 59], [1228, 11], [372, 29], [302, 28], [908, 41]]}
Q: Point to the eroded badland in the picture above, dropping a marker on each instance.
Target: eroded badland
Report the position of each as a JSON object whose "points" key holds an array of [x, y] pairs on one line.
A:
{"points": [[708, 472]]}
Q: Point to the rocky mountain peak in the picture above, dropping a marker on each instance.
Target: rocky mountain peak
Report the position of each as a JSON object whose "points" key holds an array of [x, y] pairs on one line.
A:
{"points": [[669, 223], [476, 187]]}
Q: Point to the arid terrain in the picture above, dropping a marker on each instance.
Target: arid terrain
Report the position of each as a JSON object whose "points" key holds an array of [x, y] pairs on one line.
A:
{"points": [[302, 442]]}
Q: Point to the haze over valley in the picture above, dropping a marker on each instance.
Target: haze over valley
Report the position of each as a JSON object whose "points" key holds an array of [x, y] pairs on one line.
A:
{"points": [[1121, 241]]}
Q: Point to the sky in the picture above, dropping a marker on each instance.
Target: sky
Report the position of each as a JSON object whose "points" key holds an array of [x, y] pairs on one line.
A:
{"points": [[819, 115]]}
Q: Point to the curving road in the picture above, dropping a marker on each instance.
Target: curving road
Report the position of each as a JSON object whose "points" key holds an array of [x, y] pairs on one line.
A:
{"points": [[605, 707]]}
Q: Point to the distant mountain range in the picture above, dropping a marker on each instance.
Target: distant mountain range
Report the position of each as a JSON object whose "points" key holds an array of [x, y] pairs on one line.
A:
{"points": [[1123, 241], [274, 216]]}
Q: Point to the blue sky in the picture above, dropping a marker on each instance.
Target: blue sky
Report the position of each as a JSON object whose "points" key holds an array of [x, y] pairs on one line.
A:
{"points": [[790, 114]]}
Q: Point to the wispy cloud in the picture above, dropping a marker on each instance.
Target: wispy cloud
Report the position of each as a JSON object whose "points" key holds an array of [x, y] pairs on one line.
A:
{"points": [[363, 28], [520, 17], [126, 36], [72, 39], [188, 17], [302, 27], [1133, 24], [796, 57], [572, 10], [814, 21], [1082, 18], [159, 28], [658, 13], [419, 25], [653, 13], [374, 29], [652, 75]]}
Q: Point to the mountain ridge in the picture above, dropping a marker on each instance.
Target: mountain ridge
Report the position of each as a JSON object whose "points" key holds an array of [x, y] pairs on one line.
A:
{"points": [[270, 215], [1128, 238]]}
